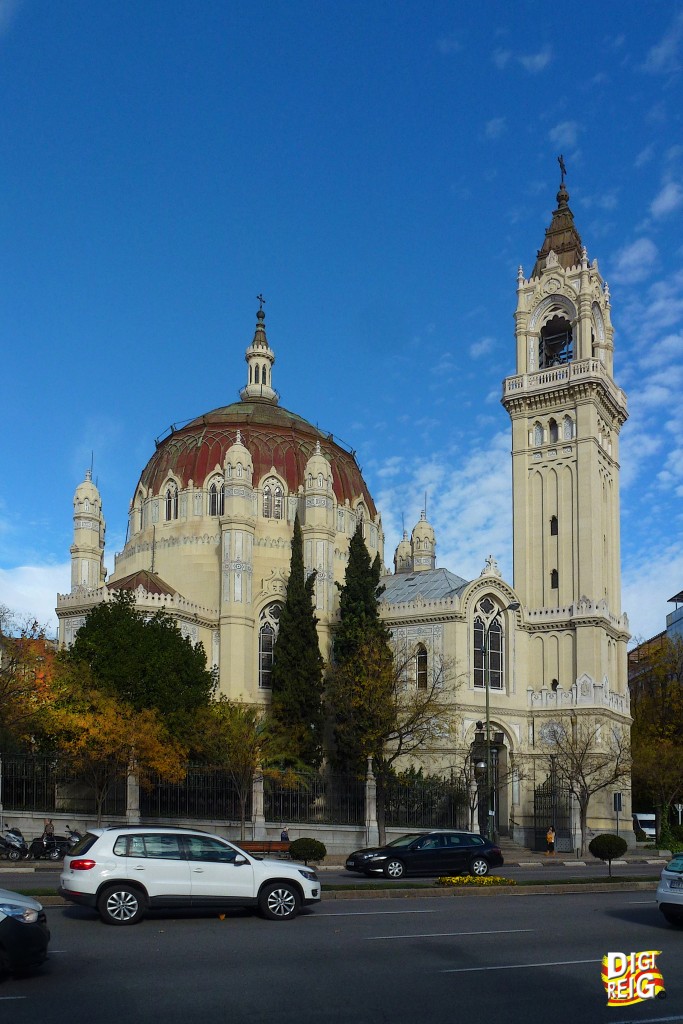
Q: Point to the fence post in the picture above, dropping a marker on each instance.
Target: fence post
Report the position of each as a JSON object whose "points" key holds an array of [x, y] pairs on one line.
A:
{"points": [[132, 798], [371, 827], [258, 819]]}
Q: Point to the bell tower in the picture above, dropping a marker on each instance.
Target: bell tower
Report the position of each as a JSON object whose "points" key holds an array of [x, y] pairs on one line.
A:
{"points": [[567, 412]]}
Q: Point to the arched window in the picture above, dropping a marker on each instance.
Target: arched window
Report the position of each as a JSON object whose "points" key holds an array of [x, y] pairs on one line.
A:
{"points": [[256, 375], [269, 623], [567, 428], [554, 579], [553, 526], [490, 632], [263, 374], [171, 502], [555, 343], [320, 481], [228, 471], [273, 500], [538, 434], [216, 497], [239, 470], [553, 431], [421, 668]]}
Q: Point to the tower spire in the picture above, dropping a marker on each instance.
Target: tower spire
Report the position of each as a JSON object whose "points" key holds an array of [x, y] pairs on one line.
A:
{"points": [[561, 237], [260, 358]]}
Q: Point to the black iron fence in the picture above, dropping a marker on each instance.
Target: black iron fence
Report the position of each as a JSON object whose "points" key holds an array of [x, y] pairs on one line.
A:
{"points": [[203, 793], [309, 798], [426, 803], [41, 784]]}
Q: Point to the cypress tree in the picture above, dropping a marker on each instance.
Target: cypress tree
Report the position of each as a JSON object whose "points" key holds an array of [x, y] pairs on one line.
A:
{"points": [[297, 678], [359, 685]]}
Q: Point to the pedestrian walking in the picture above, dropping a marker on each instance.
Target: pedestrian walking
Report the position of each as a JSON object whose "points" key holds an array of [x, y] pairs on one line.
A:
{"points": [[550, 841], [284, 835]]}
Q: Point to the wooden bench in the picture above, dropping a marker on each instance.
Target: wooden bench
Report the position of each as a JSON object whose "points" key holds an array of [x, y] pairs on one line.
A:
{"points": [[278, 846]]}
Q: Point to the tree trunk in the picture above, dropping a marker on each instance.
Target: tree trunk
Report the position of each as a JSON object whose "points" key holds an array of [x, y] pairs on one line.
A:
{"points": [[583, 820]]}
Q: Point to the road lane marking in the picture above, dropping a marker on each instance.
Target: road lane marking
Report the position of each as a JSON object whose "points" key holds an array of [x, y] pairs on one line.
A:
{"points": [[374, 913], [442, 935], [646, 1020], [518, 967], [7, 998]]}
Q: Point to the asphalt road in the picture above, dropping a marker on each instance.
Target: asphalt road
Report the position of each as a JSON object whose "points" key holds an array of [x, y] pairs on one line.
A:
{"points": [[508, 959], [47, 876]]}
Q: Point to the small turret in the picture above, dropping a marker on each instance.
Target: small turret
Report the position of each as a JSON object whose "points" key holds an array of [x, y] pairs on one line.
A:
{"points": [[423, 544], [87, 550], [260, 358], [403, 556]]}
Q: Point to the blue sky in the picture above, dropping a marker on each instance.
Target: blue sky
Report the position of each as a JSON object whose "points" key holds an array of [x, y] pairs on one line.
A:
{"points": [[378, 170]]}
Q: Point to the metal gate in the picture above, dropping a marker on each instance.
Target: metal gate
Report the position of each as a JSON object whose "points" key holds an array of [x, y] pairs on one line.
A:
{"points": [[552, 806]]}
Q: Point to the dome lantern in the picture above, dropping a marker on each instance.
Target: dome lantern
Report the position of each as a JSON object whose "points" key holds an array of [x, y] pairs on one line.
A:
{"points": [[260, 358]]}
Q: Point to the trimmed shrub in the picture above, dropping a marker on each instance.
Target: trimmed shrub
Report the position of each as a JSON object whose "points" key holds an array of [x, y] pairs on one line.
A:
{"points": [[306, 849], [608, 847]]}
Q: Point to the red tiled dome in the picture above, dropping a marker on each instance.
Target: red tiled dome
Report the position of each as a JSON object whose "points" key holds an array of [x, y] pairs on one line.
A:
{"points": [[274, 437]]}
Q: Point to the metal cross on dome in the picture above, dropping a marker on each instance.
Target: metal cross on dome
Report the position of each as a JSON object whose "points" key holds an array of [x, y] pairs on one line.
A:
{"points": [[261, 300], [563, 168]]}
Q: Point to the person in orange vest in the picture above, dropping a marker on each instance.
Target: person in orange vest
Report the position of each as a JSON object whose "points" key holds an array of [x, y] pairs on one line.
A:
{"points": [[550, 842]]}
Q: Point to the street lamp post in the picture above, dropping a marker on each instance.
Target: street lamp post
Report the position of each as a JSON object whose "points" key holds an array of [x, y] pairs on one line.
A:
{"points": [[490, 792]]}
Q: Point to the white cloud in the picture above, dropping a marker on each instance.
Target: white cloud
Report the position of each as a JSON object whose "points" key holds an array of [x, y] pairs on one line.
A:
{"points": [[449, 44], [535, 62], [669, 199], [32, 590], [664, 57], [648, 581], [645, 156], [635, 262], [494, 128], [469, 506], [8, 9], [565, 134], [531, 62], [481, 347], [501, 58]]}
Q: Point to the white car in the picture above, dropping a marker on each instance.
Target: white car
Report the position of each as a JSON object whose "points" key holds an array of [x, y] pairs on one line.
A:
{"points": [[670, 891], [123, 872]]}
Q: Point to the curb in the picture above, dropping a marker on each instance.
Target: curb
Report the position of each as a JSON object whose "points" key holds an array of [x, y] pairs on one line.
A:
{"points": [[564, 888]]}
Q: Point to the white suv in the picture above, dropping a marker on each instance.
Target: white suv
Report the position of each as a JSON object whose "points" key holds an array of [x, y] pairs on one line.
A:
{"points": [[123, 872]]}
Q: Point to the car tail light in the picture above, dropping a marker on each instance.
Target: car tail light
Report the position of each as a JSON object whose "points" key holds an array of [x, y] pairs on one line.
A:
{"points": [[82, 864]]}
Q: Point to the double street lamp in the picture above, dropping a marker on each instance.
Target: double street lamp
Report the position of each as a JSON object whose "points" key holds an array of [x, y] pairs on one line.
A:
{"points": [[490, 788]]}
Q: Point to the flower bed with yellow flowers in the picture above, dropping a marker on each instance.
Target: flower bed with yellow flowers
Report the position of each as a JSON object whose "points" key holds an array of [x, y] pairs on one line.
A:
{"points": [[476, 882]]}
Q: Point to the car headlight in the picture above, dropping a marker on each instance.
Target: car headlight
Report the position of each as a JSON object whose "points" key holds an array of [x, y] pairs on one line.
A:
{"points": [[19, 913], [310, 875]]}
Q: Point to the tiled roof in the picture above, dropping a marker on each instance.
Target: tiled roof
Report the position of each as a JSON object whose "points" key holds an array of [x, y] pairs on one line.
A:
{"points": [[152, 583], [274, 437], [431, 585]]}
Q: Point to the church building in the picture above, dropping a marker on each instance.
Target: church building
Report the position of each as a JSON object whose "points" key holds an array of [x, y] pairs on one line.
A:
{"points": [[211, 518]]}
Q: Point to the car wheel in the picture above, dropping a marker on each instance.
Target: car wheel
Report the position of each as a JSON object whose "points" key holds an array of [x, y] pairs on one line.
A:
{"points": [[395, 869], [14, 854], [121, 904], [279, 901], [673, 917], [479, 867], [55, 854]]}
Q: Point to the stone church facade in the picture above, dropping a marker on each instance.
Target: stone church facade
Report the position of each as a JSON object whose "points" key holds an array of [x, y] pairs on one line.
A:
{"points": [[211, 519]]}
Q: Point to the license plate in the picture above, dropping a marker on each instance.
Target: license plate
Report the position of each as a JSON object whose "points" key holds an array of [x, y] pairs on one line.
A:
{"points": [[676, 883]]}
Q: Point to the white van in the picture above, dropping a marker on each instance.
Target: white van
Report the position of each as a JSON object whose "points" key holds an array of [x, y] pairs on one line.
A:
{"points": [[646, 823]]}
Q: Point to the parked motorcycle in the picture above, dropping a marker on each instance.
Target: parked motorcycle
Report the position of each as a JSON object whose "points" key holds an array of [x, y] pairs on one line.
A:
{"points": [[73, 835], [49, 847], [14, 844]]}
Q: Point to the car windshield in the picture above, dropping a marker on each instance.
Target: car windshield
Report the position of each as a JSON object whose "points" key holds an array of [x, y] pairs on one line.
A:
{"points": [[405, 840]]}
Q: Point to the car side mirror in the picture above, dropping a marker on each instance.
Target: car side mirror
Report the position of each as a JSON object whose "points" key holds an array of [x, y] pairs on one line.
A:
{"points": [[239, 860]]}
